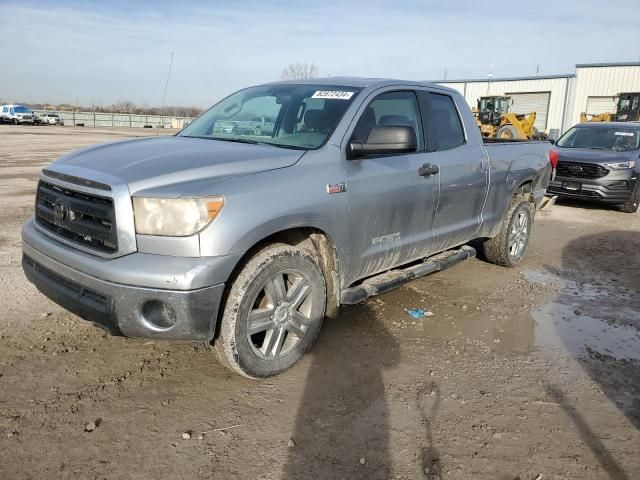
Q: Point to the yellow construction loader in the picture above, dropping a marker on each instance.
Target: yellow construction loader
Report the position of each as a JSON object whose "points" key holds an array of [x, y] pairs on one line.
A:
{"points": [[497, 121], [627, 110]]}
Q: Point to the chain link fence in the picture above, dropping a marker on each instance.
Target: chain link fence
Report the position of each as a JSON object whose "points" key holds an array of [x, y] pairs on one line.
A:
{"points": [[105, 120]]}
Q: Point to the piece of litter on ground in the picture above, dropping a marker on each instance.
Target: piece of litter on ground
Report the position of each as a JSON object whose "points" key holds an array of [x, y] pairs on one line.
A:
{"points": [[222, 429], [419, 313], [186, 435], [362, 461], [91, 426]]}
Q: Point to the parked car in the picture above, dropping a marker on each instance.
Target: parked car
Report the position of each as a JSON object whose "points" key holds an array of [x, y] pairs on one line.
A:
{"points": [[51, 119], [16, 114], [600, 162], [214, 235]]}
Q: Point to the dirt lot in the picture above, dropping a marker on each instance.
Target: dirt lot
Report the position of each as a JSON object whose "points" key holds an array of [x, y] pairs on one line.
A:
{"points": [[526, 373]]}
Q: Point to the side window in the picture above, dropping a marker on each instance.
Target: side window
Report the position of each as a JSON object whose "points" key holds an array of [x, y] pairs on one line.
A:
{"points": [[446, 122], [392, 108]]}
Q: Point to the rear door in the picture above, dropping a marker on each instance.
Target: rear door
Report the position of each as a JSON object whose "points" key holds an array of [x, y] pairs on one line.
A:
{"points": [[391, 206], [463, 174]]}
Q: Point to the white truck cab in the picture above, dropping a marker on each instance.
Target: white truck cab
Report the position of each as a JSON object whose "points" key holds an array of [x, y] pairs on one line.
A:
{"points": [[16, 114]]}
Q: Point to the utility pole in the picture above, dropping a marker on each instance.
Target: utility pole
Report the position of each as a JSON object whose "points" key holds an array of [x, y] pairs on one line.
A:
{"points": [[164, 95]]}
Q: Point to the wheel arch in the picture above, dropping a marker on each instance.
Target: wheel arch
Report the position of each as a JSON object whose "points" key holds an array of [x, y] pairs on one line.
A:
{"points": [[311, 239]]}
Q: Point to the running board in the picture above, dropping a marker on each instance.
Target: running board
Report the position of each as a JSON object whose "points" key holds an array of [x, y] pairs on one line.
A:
{"points": [[394, 278]]}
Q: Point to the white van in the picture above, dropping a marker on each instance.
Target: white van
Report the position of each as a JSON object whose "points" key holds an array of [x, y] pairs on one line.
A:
{"points": [[16, 114]]}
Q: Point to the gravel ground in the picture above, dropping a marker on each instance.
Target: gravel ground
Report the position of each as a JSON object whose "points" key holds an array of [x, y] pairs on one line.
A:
{"points": [[526, 373]]}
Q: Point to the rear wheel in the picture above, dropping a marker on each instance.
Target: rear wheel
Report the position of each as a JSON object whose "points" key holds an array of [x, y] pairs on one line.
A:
{"points": [[14, 121], [510, 245], [273, 312], [631, 205], [508, 132]]}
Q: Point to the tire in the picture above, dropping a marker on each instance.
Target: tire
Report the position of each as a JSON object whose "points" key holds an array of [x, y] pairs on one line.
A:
{"points": [[507, 132], [14, 121], [509, 247], [536, 135], [284, 288], [631, 205]]}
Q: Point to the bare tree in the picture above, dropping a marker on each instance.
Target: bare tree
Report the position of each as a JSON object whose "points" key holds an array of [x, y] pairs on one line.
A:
{"points": [[124, 106], [299, 71]]}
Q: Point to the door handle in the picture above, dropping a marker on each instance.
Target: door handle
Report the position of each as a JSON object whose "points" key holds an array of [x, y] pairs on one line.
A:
{"points": [[428, 169]]}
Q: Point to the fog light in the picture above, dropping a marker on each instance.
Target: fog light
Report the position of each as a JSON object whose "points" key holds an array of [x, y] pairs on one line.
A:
{"points": [[619, 185], [158, 314]]}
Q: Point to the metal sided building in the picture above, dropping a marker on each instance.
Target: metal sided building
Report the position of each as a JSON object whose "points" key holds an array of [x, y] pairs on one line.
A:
{"points": [[558, 100]]}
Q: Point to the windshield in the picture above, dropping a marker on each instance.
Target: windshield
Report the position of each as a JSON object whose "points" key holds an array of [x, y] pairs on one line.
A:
{"points": [[498, 104], [288, 116], [21, 110], [614, 138]]}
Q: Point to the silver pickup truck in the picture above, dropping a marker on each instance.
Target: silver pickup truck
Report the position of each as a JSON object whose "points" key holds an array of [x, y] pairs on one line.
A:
{"points": [[251, 241]]}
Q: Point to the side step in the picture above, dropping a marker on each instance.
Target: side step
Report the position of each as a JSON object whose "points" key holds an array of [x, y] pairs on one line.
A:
{"points": [[394, 278]]}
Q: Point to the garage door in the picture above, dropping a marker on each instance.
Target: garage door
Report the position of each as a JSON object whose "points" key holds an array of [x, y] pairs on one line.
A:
{"points": [[596, 105], [532, 102]]}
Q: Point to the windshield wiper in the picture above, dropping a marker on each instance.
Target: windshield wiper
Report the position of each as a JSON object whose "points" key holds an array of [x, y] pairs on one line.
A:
{"points": [[236, 140], [289, 147]]}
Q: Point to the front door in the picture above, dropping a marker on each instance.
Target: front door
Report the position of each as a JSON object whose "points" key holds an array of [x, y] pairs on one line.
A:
{"points": [[391, 206]]}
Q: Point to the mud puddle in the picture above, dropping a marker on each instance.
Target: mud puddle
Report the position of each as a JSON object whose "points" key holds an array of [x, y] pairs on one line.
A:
{"points": [[586, 319], [577, 318]]}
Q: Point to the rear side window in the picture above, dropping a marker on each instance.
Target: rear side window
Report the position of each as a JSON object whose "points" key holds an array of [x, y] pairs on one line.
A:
{"points": [[446, 122]]}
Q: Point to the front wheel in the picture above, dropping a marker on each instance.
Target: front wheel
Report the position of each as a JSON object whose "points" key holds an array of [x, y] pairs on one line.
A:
{"points": [[510, 245], [507, 132], [631, 205], [273, 312]]}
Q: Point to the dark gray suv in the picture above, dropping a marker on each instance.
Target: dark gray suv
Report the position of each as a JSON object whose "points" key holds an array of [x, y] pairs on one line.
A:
{"points": [[601, 162]]}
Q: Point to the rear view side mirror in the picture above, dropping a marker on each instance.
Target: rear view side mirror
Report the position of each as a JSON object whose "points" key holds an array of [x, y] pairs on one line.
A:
{"points": [[552, 141], [383, 140]]}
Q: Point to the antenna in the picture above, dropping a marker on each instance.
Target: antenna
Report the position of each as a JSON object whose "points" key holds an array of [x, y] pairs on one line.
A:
{"points": [[164, 95], [445, 74], [538, 70], [490, 77]]}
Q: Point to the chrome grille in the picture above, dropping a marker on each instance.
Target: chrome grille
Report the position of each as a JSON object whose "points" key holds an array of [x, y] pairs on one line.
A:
{"points": [[83, 218]]}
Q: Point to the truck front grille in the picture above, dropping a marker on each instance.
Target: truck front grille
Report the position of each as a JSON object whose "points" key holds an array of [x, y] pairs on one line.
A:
{"points": [[83, 218], [580, 170]]}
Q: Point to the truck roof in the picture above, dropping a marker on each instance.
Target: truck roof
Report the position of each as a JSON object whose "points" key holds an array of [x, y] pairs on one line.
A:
{"points": [[361, 82]]}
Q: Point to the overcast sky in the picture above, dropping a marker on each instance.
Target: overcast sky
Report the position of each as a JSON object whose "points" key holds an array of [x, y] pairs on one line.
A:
{"points": [[100, 52]]}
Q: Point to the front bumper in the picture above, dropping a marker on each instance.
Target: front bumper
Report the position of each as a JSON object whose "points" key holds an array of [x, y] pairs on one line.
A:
{"points": [[616, 187], [116, 294]]}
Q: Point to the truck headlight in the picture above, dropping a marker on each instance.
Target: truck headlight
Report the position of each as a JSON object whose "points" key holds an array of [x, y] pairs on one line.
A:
{"points": [[174, 217], [621, 165]]}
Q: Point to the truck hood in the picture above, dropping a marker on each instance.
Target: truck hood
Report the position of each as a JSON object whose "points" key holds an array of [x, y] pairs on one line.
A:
{"points": [[172, 166], [588, 155]]}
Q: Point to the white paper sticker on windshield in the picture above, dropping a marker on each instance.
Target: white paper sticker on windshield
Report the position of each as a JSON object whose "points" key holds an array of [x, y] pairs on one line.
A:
{"points": [[625, 134], [332, 95]]}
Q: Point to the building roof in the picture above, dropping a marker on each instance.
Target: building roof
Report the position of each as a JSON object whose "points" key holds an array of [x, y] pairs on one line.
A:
{"points": [[540, 77], [506, 79], [618, 64]]}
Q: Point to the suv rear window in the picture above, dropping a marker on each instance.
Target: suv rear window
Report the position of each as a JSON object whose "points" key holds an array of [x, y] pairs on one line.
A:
{"points": [[446, 122]]}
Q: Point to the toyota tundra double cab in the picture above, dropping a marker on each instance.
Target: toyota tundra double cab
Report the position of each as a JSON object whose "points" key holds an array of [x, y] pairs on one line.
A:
{"points": [[250, 241]]}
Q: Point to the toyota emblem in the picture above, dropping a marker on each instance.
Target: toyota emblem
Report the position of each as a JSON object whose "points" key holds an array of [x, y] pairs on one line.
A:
{"points": [[61, 211]]}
